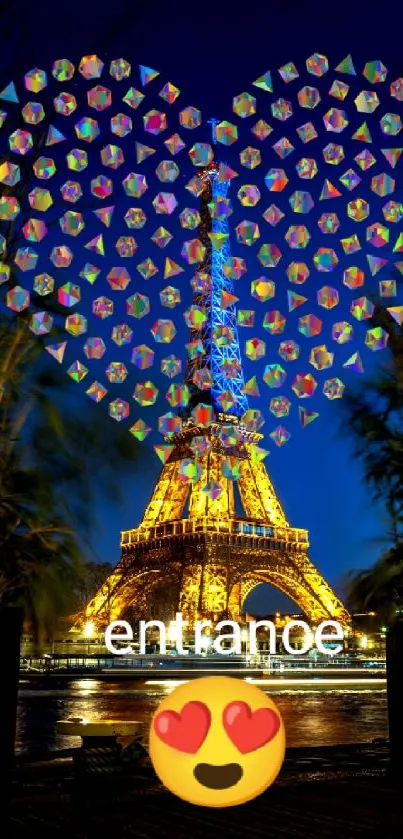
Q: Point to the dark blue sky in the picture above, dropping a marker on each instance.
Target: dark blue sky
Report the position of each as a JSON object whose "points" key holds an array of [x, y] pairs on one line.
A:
{"points": [[212, 52]]}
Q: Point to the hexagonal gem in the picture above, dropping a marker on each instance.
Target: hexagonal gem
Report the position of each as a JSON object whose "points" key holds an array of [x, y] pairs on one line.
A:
{"points": [[18, 299], [307, 168], [391, 124], [308, 97], [75, 324], [165, 203], [301, 202], [333, 388], [116, 372], [71, 191], [396, 89], [361, 308], [247, 233], [87, 129], [393, 211], [102, 307], [68, 295], [377, 235], [96, 392], [94, 348], [317, 64], [297, 272], [119, 409], [135, 185], [71, 223], [177, 395], [26, 259], [328, 297], [193, 251], [288, 350], [122, 334], [41, 323], [34, 230], [335, 120], [226, 133], [329, 223], [20, 141], [244, 105], [126, 246], [112, 156], [63, 70], [276, 180], [65, 104], [376, 338], [77, 160], [250, 157], [119, 69], [138, 305], [43, 284], [61, 256], [99, 97], [325, 259], [245, 317], [171, 366], [255, 349], [333, 153], [40, 199], [170, 297], [280, 406], [274, 375], [262, 289], [310, 325], [304, 385], [190, 117], [339, 89], [9, 208], [342, 332], [253, 419], [163, 331], [366, 102], [33, 113], [118, 279], [353, 277], [281, 109], [195, 317], [145, 393], [375, 71], [358, 209], [383, 184], [203, 379], [91, 67], [35, 80], [167, 171], [189, 471], [297, 236], [274, 322], [77, 371], [44, 168], [201, 154], [234, 268], [121, 125], [269, 255], [320, 358]]}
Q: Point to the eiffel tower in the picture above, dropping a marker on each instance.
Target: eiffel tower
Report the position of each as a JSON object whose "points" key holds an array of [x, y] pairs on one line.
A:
{"points": [[191, 535]]}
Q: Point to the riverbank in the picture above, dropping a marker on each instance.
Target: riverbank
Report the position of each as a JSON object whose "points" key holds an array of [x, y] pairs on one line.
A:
{"points": [[321, 793]]}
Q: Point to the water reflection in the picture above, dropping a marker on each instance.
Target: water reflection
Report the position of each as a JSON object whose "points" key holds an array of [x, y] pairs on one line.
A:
{"points": [[311, 718]]}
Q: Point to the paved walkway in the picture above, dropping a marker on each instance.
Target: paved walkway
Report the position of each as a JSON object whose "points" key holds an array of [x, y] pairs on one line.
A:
{"points": [[333, 795]]}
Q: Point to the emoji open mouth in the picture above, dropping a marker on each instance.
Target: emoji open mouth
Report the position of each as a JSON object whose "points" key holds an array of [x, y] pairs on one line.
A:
{"points": [[218, 777]]}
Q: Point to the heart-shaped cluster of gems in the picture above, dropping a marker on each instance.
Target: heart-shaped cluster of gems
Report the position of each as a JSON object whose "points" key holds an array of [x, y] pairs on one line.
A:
{"points": [[104, 235]]}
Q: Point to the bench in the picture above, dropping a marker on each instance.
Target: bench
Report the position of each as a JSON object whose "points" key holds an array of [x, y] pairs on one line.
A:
{"points": [[101, 754]]}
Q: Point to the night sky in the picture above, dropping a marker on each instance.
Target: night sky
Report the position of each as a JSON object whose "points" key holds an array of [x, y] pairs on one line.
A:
{"points": [[211, 53]]}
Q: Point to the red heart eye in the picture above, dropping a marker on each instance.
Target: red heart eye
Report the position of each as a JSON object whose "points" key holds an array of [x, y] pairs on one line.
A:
{"points": [[185, 730], [250, 730]]}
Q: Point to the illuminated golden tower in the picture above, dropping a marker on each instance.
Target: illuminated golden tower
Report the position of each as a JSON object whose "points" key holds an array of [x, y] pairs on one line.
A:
{"points": [[214, 527]]}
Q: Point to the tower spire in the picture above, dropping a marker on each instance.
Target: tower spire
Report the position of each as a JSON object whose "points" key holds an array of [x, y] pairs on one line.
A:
{"points": [[214, 369]]}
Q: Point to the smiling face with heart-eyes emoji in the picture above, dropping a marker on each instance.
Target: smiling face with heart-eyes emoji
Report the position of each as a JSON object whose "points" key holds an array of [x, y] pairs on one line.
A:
{"points": [[217, 741]]}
